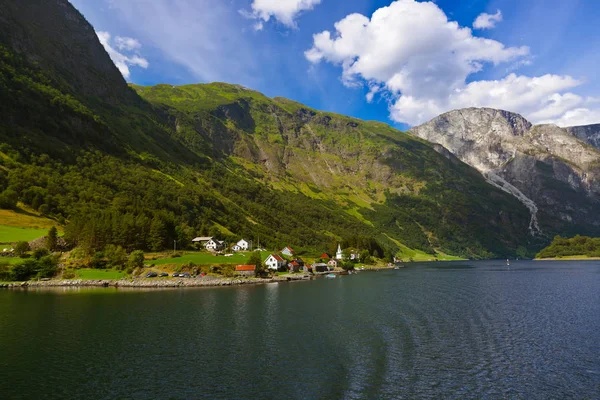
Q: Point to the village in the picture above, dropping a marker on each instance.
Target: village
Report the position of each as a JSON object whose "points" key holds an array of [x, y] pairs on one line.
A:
{"points": [[285, 260]]}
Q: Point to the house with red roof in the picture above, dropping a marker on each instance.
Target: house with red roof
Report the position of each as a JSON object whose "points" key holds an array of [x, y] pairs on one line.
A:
{"points": [[275, 262], [247, 270], [294, 266], [288, 251], [325, 256]]}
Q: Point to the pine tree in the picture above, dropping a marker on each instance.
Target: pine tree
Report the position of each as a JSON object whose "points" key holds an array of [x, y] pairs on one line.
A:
{"points": [[52, 239]]}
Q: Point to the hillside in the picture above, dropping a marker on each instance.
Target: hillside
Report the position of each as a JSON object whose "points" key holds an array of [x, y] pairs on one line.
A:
{"points": [[141, 167], [578, 246]]}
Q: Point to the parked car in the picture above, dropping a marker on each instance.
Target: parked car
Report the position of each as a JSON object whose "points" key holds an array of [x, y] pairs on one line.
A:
{"points": [[185, 275], [162, 274], [175, 274], [151, 275]]}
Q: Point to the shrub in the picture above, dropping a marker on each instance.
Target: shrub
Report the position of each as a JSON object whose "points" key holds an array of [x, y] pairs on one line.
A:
{"points": [[40, 253], [116, 256], [24, 270], [21, 248], [136, 259], [69, 275]]}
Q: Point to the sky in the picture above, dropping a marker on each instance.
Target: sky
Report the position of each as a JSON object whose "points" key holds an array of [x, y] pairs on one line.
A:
{"points": [[401, 62]]}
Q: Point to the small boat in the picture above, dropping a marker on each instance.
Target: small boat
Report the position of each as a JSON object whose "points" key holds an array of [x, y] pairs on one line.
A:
{"points": [[507, 262], [330, 276]]}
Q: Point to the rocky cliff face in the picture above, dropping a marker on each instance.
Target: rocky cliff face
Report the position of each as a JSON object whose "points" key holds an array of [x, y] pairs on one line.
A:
{"points": [[587, 133], [549, 169]]}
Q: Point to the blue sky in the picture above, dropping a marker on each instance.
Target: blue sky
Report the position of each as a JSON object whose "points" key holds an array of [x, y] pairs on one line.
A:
{"points": [[416, 59]]}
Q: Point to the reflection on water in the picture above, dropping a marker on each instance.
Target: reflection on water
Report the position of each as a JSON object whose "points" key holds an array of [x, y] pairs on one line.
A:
{"points": [[435, 330]]}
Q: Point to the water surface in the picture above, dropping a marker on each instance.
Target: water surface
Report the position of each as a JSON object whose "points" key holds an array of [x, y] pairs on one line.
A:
{"points": [[436, 330]]}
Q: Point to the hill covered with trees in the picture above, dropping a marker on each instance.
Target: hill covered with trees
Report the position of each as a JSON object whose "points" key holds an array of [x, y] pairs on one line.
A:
{"points": [[583, 246]]}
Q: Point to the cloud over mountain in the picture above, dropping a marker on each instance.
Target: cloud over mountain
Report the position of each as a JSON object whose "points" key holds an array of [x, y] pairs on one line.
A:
{"points": [[123, 45], [424, 61]]}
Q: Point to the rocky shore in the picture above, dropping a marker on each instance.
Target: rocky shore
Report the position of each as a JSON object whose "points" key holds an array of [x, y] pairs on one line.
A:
{"points": [[155, 283]]}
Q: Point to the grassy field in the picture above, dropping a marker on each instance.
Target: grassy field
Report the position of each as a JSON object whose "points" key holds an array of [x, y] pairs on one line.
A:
{"points": [[11, 234], [10, 260], [26, 218], [89, 273], [205, 259]]}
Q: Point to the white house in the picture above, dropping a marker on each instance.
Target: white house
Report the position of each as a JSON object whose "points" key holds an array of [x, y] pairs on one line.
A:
{"points": [[274, 261], [243, 244], [214, 245], [288, 251]]}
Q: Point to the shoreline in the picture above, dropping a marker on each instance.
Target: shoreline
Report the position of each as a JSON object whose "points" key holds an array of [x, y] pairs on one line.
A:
{"points": [[568, 258], [146, 283]]}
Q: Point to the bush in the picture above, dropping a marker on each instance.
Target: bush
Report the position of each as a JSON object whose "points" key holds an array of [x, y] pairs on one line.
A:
{"points": [[116, 256], [136, 259], [40, 253], [69, 275], [21, 248], [24, 270], [98, 260]]}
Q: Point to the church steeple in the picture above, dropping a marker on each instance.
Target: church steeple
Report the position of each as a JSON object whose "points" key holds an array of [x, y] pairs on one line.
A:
{"points": [[339, 255]]}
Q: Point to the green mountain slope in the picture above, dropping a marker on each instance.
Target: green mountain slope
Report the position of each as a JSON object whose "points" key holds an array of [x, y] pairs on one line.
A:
{"points": [[143, 167]]}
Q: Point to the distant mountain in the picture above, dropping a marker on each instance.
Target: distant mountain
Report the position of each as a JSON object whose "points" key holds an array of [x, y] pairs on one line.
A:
{"points": [[144, 166], [587, 133], [549, 169]]}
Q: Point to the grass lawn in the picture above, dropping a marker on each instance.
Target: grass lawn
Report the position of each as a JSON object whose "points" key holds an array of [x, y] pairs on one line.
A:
{"points": [[97, 274], [10, 260], [206, 259], [11, 234]]}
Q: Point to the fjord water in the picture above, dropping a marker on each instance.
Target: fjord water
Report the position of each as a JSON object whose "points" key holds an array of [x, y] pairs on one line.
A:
{"points": [[437, 330]]}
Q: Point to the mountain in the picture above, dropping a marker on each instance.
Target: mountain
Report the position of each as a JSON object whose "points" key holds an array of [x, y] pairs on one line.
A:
{"points": [[549, 169], [587, 133], [141, 167]]}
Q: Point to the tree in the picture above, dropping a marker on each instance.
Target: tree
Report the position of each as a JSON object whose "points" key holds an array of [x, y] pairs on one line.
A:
{"points": [[116, 255], [365, 257], [136, 259], [8, 199], [24, 270], [256, 260], [21, 248], [52, 239]]}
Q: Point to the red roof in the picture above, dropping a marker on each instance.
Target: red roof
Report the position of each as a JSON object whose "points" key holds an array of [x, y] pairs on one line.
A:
{"points": [[245, 267], [277, 257], [325, 255], [294, 263], [290, 249]]}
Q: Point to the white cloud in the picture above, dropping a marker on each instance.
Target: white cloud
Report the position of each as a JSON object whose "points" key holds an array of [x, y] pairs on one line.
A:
{"points": [[203, 36], [284, 11], [487, 21], [121, 60], [411, 51], [127, 43]]}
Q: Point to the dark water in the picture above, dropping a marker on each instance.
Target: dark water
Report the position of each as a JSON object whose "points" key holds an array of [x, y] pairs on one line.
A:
{"points": [[442, 330]]}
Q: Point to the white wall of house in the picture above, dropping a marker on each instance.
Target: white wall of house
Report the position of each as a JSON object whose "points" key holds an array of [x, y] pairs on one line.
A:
{"points": [[243, 244], [272, 263]]}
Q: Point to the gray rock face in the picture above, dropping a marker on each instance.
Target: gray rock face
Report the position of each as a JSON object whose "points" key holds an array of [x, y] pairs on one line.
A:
{"points": [[555, 172], [587, 133]]}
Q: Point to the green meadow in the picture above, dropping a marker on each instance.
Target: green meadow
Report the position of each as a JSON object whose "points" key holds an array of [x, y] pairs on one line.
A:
{"points": [[205, 259], [11, 234]]}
